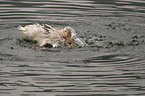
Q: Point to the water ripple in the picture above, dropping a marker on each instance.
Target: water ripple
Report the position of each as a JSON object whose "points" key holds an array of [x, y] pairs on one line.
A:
{"points": [[63, 8], [105, 67], [113, 77]]}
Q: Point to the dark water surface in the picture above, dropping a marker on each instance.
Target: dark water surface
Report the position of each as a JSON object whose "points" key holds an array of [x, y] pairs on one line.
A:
{"points": [[112, 64]]}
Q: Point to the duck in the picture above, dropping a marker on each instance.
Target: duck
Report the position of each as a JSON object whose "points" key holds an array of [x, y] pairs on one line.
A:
{"points": [[47, 36]]}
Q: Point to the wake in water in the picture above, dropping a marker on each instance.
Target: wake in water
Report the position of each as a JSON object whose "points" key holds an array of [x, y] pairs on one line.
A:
{"points": [[47, 36]]}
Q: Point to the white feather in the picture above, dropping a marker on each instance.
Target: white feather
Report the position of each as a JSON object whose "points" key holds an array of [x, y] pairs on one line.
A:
{"points": [[54, 37]]}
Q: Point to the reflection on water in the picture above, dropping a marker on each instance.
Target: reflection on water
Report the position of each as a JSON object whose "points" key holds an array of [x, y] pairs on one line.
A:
{"points": [[111, 64]]}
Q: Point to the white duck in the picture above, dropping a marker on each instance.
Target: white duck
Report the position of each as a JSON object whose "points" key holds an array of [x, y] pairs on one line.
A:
{"points": [[47, 36]]}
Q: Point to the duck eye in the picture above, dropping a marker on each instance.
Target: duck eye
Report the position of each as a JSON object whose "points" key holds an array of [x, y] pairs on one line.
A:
{"points": [[65, 31]]}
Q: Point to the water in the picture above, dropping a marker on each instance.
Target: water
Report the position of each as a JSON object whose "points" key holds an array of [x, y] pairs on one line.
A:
{"points": [[112, 64]]}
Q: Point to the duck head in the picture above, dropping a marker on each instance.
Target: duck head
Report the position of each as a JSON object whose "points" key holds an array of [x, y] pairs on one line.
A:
{"points": [[67, 34]]}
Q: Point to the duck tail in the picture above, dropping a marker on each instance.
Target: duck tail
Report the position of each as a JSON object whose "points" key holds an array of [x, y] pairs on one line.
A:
{"points": [[21, 28]]}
